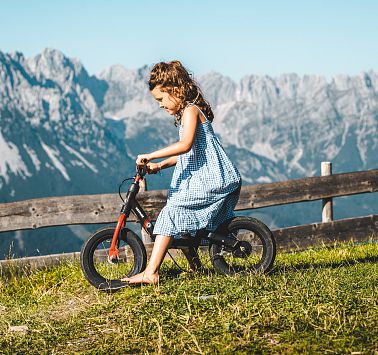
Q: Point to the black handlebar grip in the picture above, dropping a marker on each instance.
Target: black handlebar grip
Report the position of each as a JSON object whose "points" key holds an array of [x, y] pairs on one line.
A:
{"points": [[144, 161]]}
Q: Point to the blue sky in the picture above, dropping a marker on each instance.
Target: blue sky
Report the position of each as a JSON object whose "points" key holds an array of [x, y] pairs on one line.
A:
{"points": [[234, 37]]}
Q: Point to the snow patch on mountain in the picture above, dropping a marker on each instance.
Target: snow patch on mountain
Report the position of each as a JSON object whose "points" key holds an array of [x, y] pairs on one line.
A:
{"points": [[77, 154], [295, 164], [264, 149], [263, 180], [11, 160], [132, 108], [33, 156], [53, 155]]}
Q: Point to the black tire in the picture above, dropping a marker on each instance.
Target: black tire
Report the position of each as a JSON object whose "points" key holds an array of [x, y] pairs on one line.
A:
{"points": [[107, 276], [258, 249]]}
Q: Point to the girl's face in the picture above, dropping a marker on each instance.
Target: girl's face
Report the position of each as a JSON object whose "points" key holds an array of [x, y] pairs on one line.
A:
{"points": [[166, 101]]}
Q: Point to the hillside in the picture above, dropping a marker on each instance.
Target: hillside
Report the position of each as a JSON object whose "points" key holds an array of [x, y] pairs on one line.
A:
{"points": [[316, 301]]}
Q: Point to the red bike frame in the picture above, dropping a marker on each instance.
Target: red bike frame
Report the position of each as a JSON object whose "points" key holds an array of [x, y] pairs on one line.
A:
{"points": [[130, 204]]}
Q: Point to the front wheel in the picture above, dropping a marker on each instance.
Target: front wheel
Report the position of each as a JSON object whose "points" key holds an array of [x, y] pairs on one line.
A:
{"points": [[255, 251], [106, 275]]}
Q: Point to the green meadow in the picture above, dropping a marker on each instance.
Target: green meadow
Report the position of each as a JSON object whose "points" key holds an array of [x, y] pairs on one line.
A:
{"points": [[321, 300]]}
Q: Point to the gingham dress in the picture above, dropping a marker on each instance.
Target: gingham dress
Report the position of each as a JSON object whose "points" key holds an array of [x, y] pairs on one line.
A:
{"points": [[204, 188]]}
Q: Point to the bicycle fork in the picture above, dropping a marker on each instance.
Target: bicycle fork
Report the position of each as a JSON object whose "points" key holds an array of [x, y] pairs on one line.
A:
{"points": [[130, 204], [114, 251]]}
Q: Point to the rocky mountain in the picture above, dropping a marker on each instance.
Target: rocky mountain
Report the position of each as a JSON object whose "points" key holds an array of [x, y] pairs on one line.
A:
{"points": [[293, 121], [54, 139], [52, 130], [65, 132]]}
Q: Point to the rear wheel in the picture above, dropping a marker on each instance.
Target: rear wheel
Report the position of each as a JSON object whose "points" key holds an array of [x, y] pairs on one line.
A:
{"points": [[106, 275], [255, 252]]}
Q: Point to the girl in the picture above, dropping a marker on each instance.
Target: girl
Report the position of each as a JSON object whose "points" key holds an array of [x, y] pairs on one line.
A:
{"points": [[205, 185]]}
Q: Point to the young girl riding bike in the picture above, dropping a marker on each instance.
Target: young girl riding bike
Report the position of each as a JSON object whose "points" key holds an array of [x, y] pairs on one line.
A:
{"points": [[205, 184]]}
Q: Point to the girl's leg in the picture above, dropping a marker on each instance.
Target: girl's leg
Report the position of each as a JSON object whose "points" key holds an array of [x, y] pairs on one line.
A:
{"points": [[151, 274], [191, 255]]}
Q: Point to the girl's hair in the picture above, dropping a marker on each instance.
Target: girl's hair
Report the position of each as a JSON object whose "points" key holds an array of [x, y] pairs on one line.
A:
{"points": [[176, 80]]}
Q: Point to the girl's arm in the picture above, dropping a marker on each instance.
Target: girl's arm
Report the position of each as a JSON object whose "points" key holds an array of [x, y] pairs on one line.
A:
{"points": [[189, 121], [167, 163], [153, 168]]}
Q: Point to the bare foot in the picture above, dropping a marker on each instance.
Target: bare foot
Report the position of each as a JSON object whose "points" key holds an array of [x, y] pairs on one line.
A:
{"points": [[142, 278]]}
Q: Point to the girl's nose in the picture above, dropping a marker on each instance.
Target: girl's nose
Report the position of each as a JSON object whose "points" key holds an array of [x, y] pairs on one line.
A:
{"points": [[161, 105]]}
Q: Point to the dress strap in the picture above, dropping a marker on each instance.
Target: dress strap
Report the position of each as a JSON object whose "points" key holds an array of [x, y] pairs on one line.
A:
{"points": [[192, 104]]}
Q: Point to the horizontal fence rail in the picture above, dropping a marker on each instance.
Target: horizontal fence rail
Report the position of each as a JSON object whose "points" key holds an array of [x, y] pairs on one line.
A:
{"points": [[93, 209], [357, 229]]}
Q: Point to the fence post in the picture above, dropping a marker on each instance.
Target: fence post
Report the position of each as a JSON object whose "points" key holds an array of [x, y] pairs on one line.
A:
{"points": [[327, 212], [145, 237]]}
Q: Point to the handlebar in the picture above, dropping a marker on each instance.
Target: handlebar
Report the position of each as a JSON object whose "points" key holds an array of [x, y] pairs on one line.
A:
{"points": [[142, 170]]}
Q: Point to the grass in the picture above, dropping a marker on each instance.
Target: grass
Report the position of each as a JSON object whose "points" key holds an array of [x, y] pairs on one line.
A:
{"points": [[318, 301]]}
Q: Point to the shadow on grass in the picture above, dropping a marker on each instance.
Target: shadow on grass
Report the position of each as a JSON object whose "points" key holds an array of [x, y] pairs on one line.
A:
{"points": [[174, 272], [324, 265]]}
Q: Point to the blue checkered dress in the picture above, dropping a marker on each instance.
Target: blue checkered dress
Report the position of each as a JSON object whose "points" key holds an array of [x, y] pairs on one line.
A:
{"points": [[204, 188]]}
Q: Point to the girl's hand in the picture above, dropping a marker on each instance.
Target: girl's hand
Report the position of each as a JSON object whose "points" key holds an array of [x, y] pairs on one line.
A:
{"points": [[142, 159], [153, 168]]}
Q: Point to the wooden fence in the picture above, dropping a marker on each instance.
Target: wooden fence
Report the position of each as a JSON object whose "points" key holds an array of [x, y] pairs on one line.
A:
{"points": [[96, 209]]}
